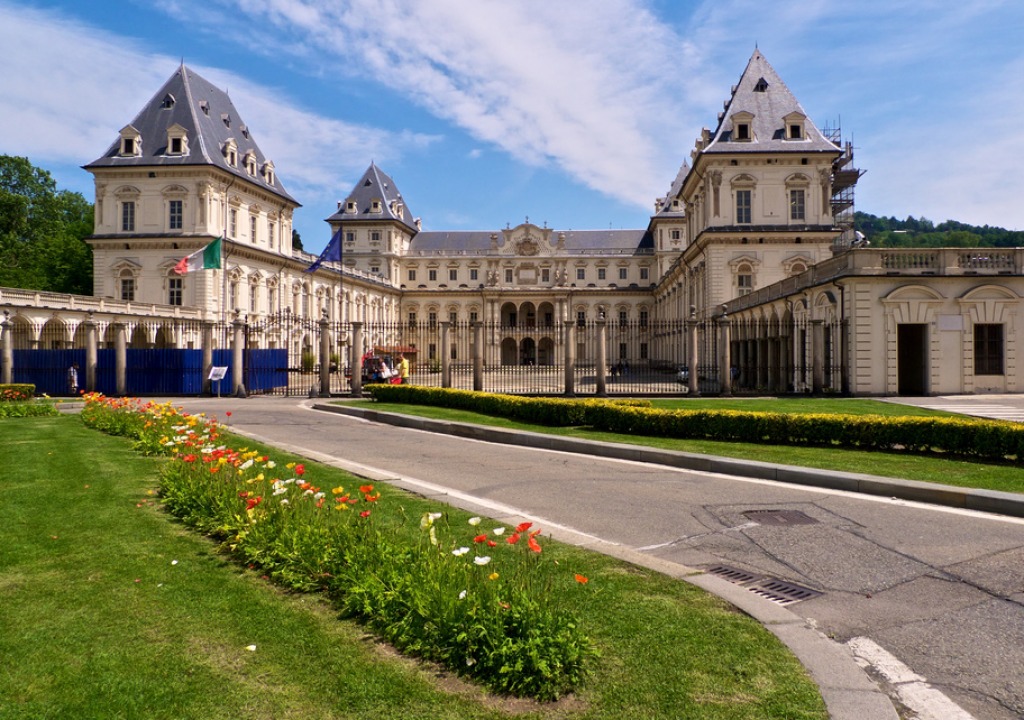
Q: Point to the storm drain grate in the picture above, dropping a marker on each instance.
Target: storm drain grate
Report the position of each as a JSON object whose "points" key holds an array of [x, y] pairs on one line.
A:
{"points": [[779, 517], [778, 591], [782, 592], [733, 575]]}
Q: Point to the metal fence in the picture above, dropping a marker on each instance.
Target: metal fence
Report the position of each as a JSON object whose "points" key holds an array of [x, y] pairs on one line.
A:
{"points": [[282, 355]]}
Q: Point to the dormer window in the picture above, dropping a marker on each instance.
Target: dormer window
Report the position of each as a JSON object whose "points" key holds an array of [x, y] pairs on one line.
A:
{"points": [[226, 118], [250, 163], [231, 152], [743, 127], [375, 206], [795, 126], [268, 172], [761, 86], [168, 102], [350, 206], [245, 131], [205, 107], [177, 140], [131, 142]]}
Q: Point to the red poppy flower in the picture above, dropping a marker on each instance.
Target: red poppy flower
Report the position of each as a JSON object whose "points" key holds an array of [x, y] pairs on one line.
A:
{"points": [[364, 513], [512, 539], [480, 538], [365, 489], [243, 494], [491, 543], [299, 469], [228, 413], [532, 544], [253, 502], [523, 527], [582, 579]]}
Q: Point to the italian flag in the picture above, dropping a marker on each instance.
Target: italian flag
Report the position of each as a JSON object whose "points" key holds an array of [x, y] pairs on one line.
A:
{"points": [[206, 259]]}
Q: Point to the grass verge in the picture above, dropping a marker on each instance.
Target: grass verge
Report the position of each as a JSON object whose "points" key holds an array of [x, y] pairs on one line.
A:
{"points": [[111, 609], [906, 465]]}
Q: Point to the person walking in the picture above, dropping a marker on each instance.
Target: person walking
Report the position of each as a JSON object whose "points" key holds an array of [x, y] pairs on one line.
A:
{"points": [[73, 379], [403, 369]]}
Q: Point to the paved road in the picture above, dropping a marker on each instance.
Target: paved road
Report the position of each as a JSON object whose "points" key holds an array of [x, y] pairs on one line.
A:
{"points": [[940, 589]]}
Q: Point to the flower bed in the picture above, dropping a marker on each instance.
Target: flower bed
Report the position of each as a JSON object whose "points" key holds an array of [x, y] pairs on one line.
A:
{"points": [[474, 596]]}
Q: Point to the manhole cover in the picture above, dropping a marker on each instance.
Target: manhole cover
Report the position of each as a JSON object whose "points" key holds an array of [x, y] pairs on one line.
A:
{"points": [[779, 517]]}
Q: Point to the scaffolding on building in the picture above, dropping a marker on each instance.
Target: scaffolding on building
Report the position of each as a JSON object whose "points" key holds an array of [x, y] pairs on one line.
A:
{"points": [[844, 181]]}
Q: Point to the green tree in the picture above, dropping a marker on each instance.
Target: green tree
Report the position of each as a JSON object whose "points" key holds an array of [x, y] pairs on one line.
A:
{"points": [[296, 240], [42, 231]]}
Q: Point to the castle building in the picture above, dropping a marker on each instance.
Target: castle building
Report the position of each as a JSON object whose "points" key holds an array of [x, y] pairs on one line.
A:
{"points": [[746, 266]]}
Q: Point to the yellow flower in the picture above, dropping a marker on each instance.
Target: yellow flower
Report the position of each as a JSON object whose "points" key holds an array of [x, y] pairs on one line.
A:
{"points": [[338, 490], [493, 576]]}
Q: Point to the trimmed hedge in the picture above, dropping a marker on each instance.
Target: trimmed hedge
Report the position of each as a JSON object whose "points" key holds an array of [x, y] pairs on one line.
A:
{"points": [[17, 392], [552, 412], [982, 439]]}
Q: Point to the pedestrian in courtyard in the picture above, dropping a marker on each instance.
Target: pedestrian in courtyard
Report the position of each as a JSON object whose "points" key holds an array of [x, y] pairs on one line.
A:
{"points": [[403, 369], [73, 379]]}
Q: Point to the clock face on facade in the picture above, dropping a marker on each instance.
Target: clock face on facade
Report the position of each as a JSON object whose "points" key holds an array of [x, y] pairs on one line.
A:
{"points": [[526, 246]]}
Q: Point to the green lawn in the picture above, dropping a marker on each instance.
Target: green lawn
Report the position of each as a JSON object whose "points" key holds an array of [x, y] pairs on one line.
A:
{"points": [[111, 609], [904, 465]]}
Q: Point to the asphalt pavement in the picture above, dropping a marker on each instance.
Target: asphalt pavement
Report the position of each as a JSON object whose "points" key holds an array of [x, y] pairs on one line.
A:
{"points": [[888, 602]]}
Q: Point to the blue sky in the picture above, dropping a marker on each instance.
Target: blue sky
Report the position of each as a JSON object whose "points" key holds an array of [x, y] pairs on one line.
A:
{"points": [[577, 114]]}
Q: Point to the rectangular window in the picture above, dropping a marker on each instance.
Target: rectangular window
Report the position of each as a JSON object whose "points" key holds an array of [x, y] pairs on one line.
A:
{"points": [[453, 275], [128, 216], [271, 299], [174, 215], [375, 236], [474, 274], [453, 317], [623, 317], [743, 207], [742, 131], [623, 273], [174, 291], [254, 298], [508, 275], [232, 222], [270, 234], [676, 234], [412, 319], [601, 274], [432, 319], [581, 273], [375, 269], [128, 289], [175, 146], [581, 318], [988, 349], [643, 351], [412, 276], [745, 283], [643, 318], [795, 132], [473, 316], [797, 205], [545, 275], [623, 354], [432, 275], [645, 273], [350, 237], [252, 229]]}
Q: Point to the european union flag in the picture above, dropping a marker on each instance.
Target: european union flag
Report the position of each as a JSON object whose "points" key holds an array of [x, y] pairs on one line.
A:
{"points": [[331, 252]]}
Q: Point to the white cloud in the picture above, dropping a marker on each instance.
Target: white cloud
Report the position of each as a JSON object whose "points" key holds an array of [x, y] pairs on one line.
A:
{"points": [[67, 106]]}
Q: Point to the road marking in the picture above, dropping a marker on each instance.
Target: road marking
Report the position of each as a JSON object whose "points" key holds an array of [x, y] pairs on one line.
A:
{"points": [[994, 412], [912, 689]]}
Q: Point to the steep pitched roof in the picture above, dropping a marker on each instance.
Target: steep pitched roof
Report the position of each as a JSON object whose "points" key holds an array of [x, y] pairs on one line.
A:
{"points": [[374, 185], [576, 242], [762, 93], [665, 209], [209, 119]]}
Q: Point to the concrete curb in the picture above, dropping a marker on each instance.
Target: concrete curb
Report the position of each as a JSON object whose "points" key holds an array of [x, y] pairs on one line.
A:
{"points": [[991, 501], [848, 692]]}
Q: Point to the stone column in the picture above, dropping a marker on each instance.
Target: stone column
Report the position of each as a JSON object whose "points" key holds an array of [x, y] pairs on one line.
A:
{"points": [[237, 358], [478, 356], [725, 353], [601, 366], [446, 354], [91, 354], [691, 352], [355, 359], [6, 330], [817, 356], [120, 359], [570, 358], [207, 345], [325, 356]]}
